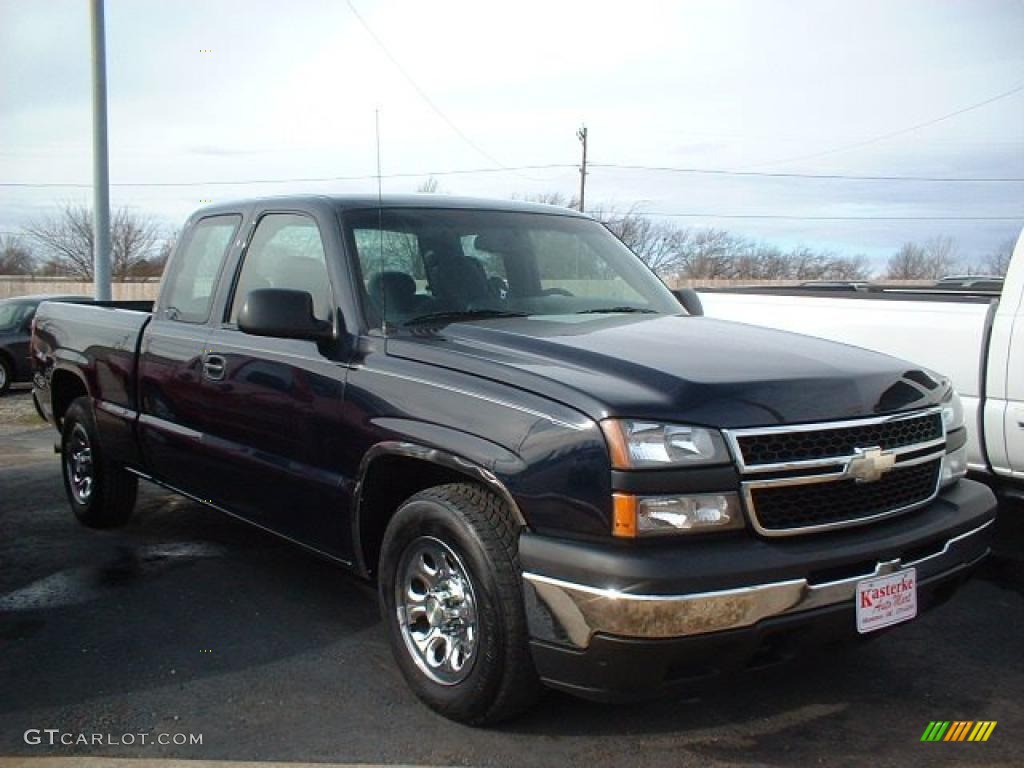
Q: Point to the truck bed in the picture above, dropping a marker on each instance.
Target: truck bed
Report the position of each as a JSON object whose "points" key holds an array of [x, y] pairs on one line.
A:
{"points": [[101, 340]]}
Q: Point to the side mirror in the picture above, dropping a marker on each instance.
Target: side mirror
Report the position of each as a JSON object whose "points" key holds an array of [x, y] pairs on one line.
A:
{"points": [[690, 300], [284, 314]]}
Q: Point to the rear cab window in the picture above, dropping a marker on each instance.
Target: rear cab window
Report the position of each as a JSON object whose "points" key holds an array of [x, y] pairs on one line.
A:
{"points": [[190, 285]]}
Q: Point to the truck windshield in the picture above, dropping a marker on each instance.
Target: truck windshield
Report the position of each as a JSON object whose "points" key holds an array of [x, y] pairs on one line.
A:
{"points": [[445, 265]]}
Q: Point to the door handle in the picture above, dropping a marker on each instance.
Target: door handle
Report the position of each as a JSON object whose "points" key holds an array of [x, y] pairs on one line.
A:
{"points": [[214, 367]]}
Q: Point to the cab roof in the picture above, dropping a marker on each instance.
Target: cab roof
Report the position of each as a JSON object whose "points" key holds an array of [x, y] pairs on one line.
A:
{"points": [[371, 201]]}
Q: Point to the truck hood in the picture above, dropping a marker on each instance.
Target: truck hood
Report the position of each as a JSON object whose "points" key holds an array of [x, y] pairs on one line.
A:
{"points": [[684, 369]]}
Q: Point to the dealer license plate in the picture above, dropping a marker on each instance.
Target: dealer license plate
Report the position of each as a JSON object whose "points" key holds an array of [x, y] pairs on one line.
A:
{"points": [[886, 600]]}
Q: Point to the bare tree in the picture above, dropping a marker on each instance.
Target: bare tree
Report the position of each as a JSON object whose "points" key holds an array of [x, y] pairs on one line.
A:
{"points": [[714, 253], [16, 257], [998, 261], [855, 267], [555, 198], [660, 245], [429, 186], [674, 251], [942, 254], [937, 257], [910, 262], [66, 241], [153, 266]]}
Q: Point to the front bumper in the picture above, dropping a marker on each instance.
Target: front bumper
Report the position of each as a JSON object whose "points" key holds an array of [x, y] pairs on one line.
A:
{"points": [[612, 621]]}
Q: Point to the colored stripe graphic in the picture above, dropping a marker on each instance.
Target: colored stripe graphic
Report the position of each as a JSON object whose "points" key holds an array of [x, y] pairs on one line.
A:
{"points": [[955, 730], [935, 730], [958, 730]]}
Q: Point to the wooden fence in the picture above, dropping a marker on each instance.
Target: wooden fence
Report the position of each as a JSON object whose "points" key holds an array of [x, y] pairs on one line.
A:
{"points": [[18, 285]]}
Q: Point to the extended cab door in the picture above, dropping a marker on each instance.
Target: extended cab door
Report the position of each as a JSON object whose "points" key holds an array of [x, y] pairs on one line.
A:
{"points": [[276, 405], [173, 415]]}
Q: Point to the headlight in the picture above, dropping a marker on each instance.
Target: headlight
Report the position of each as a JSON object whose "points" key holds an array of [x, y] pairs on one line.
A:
{"points": [[646, 445], [659, 515], [952, 411]]}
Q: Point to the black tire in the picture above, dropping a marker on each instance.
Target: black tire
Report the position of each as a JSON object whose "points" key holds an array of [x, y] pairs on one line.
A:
{"points": [[6, 375], [479, 530], [109, 499]]}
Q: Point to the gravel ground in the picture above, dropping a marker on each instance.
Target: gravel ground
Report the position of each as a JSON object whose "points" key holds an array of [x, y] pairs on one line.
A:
{"points": [[17, 411]]}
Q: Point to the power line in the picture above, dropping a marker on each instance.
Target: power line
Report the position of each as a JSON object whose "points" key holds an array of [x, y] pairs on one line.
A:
{"points": [[423, 95], [899, 132], [794, 175], [548, 166], [223, 182]]}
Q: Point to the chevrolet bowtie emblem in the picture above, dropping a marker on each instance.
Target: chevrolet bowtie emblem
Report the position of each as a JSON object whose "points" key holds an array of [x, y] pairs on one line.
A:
{"points": [[870, 464]]}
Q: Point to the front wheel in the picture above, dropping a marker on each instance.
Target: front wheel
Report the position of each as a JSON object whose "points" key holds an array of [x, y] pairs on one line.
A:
{"points": [[101, 494], [452, 601]]}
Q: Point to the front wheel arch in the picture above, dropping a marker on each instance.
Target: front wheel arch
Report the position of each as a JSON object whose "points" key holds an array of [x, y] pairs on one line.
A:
{"points": [[393, 472]]}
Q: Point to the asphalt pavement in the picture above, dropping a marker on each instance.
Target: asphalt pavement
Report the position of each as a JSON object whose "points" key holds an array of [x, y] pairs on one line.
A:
{"points": [[187, 622]]}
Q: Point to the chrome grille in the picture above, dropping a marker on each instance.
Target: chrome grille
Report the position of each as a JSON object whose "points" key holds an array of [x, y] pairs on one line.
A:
{"points": [[785, 447], [815, 477]]}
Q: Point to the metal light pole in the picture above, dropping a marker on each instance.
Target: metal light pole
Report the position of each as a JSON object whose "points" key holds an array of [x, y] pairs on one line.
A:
{"points": [[100, 171]]}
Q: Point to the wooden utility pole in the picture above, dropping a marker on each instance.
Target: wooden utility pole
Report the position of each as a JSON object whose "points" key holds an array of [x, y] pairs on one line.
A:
{"points": [[581, 134]]}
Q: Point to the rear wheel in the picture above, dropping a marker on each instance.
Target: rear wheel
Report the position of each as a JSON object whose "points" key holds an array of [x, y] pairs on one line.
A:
{"points": [[451, 598], [101, 494]]}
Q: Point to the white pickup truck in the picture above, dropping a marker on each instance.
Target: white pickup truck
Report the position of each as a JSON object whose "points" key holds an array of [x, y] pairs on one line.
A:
{"points": [[975, 338]]}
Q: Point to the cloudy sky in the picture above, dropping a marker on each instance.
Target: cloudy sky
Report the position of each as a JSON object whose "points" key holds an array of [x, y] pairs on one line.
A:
{"points": [[288, 91]]}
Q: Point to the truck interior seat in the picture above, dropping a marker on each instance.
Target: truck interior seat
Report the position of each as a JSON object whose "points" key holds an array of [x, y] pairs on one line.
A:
{"points": [[393, 293]]}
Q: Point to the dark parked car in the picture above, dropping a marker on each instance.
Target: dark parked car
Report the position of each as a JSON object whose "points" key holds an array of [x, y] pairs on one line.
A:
{"points": [[554, 474], [15, 333]]}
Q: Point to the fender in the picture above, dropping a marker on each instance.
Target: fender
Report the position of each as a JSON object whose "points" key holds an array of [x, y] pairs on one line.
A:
{"points": [[432, 455], [60, 367]]}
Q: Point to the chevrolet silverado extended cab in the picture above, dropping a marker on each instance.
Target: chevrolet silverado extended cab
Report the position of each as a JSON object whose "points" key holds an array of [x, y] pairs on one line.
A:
{"points": [[554, 474], [972, 331]]}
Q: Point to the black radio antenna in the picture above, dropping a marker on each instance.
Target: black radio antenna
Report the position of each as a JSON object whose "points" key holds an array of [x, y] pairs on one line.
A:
{"points": [[380, 227]]}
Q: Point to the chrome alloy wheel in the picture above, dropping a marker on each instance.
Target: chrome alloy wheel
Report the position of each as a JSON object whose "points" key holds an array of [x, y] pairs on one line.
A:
{"points": [[436, 609], [78, 457]]}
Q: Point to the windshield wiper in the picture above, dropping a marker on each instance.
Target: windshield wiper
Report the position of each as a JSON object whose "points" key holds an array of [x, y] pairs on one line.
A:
{"points": [[465, 314], [613, 310]]}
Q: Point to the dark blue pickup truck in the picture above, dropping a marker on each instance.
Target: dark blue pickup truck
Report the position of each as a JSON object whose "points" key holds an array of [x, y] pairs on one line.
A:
{"points": [[554, 473]]}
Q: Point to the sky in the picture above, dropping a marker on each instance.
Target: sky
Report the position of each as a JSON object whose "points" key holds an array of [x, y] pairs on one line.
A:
{"points": [[259, 92]]}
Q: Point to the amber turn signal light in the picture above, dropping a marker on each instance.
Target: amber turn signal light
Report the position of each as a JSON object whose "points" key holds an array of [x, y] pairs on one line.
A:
{"points": [[624, 515]]}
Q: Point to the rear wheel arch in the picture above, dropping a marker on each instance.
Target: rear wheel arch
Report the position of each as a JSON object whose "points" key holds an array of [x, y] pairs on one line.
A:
{"points": [[65, 388], [393, 472]]}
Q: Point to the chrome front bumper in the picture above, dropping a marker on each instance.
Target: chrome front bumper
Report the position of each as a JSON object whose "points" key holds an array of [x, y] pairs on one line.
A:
{"points": [[566, 612]]}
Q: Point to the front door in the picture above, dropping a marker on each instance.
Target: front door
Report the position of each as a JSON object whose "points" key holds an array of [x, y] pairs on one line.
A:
{"points": [[276, 404]]}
